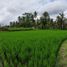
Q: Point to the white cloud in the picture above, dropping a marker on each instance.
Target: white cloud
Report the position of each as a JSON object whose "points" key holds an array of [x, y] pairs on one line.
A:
{"points": [[11, 9]]}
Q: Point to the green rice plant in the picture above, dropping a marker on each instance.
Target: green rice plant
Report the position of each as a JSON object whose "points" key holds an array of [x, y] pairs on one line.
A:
{"points": [[30, 48]]}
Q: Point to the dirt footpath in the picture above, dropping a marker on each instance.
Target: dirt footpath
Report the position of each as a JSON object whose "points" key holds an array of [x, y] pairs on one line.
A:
{"points": [[62, 57]]}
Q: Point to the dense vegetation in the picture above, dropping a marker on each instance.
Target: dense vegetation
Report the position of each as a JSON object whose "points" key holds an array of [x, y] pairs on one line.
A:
{"points": [[30, 48], [31, 20]]}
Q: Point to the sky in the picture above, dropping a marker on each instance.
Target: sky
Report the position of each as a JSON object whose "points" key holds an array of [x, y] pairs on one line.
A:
{"points": [[11, 9]]}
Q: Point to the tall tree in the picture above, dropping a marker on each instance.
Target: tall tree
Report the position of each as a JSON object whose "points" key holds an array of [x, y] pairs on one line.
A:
{"points": [[45, 19], [61, 20], [28, 19], [35, 14], [19, 19]]}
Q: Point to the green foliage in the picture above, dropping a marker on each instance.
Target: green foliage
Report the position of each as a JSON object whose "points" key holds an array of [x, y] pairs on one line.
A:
{"points": [[30, 48], [19, 29], [61, 21], [44, 22]]}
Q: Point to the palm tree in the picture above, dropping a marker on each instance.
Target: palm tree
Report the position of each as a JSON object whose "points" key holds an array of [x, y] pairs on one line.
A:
{"points": [[45, 19], [35, 14], [19, 19], [61, 20]]}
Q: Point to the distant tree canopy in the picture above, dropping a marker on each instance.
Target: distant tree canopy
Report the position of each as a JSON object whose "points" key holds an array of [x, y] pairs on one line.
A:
{"points": [[28, 20]]}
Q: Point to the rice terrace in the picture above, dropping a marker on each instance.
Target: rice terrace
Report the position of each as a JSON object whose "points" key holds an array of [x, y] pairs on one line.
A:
{"points": [[33, 33], [30, 48]]}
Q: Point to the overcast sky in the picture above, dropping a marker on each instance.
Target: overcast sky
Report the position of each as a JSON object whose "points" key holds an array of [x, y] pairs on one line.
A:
{"points": [[11, 9]]}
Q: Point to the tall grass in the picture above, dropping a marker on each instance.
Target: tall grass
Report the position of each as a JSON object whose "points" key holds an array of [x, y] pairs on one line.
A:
{"points": [[30, 48]]}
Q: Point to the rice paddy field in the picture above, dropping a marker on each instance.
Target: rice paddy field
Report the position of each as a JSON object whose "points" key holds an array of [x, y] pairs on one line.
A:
{"points": [[30, 48]]}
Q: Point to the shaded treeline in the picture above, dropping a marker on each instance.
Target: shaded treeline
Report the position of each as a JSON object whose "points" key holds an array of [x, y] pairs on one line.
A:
{"points": [[31, 20]]}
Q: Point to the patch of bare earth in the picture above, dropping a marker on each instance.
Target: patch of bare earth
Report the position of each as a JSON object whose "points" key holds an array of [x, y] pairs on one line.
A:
{"points": [[62, 56]]}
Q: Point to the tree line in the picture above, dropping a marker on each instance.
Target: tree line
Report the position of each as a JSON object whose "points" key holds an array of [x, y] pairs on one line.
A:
{"points": [[29, 20]]}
